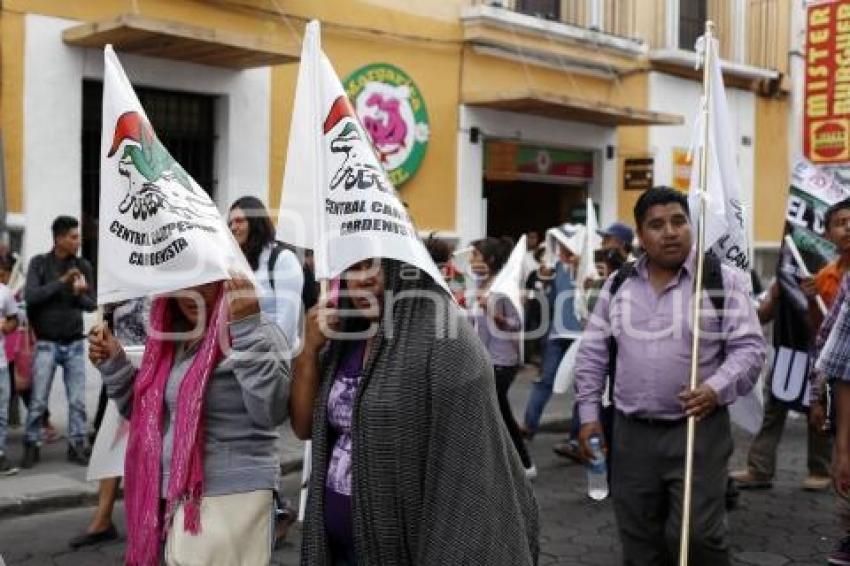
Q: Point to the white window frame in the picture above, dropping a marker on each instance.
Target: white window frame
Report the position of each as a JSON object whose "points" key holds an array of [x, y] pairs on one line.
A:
{"points": [[739, 50], [672, 13]]}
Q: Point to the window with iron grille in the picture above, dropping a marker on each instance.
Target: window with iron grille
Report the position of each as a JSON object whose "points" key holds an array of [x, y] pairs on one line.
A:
{"points": [[548, 9], [692, 16], [184, 122]]}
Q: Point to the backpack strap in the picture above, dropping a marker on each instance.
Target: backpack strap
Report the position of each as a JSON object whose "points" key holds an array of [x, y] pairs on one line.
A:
{"points": [[712, 281], [277, 247], [626, 270], [309, 294]]}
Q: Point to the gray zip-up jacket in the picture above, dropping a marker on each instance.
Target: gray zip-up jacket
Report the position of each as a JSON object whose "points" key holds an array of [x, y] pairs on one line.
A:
{"points": [[247, 398]]}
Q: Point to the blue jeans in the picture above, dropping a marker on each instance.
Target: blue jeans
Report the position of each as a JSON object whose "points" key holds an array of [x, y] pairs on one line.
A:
{"points": [[5, 393], [553, 352], [71, 357]]}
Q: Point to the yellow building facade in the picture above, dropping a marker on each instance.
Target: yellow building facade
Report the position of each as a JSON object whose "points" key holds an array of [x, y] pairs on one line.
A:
{"points": [[531, 105]]}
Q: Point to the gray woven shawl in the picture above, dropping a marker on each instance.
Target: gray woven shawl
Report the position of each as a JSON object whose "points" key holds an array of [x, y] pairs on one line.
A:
{"points": [[436, 480]]}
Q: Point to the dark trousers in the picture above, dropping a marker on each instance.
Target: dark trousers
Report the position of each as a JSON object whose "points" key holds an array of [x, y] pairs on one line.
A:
{"points": [[505, 376], [761, 459], [647, 490]]}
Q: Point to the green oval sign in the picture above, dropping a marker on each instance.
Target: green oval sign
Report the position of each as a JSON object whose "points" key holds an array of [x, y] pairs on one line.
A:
{"points": [[392, 110]]}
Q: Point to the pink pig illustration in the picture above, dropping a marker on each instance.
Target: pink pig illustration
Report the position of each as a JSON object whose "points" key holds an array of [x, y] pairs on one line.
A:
{"points": [[388, 130]]}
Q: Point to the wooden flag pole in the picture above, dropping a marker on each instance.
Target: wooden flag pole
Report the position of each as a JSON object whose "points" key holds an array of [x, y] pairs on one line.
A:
{"points": [[306, 467], [801, 265], [687, 487]]}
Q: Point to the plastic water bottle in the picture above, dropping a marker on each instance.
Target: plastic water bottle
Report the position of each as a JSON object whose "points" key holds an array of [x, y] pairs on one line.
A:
{"points": [[597, 473]]}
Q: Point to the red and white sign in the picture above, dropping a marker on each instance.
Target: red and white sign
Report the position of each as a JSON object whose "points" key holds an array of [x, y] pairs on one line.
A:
{"points": [[826, 113]]}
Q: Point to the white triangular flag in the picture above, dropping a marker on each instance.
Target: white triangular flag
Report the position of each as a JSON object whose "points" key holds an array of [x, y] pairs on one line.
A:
{"points": [[159, 231], [509, 281], [572, 236], [592, 241], [337, 199], [587, 264], [725, 229]]}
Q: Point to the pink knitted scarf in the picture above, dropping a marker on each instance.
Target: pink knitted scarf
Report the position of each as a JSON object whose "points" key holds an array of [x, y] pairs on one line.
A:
{"points": [[147, 521]]}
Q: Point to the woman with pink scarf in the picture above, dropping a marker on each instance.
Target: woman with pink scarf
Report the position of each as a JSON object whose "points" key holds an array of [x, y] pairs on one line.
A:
{"points": [[201, 464]]}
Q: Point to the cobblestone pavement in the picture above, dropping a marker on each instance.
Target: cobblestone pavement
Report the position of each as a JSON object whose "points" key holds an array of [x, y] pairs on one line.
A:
{"points": [[784, 526]]}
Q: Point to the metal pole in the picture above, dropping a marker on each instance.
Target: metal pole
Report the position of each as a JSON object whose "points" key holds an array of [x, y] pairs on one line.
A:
{"points": [[687, 487]]}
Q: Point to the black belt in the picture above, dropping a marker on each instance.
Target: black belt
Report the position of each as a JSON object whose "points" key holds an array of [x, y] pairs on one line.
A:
{"points": [[653, 421]]}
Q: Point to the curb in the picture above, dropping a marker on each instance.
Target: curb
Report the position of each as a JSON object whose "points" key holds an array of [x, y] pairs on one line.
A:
{"points": [[33, 504], [51, 502], [560, 425]]}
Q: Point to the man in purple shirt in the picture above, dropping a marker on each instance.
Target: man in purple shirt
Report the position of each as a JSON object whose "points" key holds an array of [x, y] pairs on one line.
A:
{"points": [[650, 318]]}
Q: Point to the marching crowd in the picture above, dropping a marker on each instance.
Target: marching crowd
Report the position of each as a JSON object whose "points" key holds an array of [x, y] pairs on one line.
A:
{"points": [[417, 457]]}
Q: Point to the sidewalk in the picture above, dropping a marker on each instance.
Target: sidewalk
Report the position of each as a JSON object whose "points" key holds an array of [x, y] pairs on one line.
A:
{"points": [[56, 483]]}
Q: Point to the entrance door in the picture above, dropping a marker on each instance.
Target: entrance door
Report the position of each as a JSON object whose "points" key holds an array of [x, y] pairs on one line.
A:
{"points": [[516, 207]]}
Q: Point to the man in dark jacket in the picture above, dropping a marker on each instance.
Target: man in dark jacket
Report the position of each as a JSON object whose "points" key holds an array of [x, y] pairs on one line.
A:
{"points": [[58, 289]]}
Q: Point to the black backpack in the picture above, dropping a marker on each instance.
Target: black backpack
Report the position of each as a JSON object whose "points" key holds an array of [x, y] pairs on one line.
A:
{"points": [[309, 293]]}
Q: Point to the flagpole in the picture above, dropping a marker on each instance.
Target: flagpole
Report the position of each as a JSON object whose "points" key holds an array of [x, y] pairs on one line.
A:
{"points": [[804, 271], [687, 486]]}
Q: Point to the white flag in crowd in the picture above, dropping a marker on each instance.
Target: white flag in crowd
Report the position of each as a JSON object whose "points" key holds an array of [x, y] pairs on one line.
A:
{"points": [[587, 264], [337, 198], [592, 242], [510, 281], [725, 230], [159, 231], [571, 236]]}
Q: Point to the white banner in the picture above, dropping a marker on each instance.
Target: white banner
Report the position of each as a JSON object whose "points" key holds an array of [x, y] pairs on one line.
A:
{"points": [[337, 199], [159, 231], [725, 228]]}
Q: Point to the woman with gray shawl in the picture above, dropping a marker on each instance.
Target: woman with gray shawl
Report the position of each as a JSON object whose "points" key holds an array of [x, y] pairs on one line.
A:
{"points": [[411, 462]]}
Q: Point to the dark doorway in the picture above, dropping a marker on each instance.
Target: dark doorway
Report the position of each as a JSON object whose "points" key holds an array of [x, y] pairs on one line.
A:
{"points": [[692, 16], [516, 207], [548, 9], [184, 122]]}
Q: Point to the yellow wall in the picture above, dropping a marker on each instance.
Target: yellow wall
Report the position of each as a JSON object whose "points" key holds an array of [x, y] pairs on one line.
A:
{"points": [[632, 142], [429, 47], [209, 14], [431, 193], [12, 105], [772, 169], [426, 47], [275, 30], [493, 74]]}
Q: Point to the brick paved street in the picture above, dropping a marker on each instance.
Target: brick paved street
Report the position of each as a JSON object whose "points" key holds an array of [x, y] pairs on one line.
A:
{"points": [[785, 526]]}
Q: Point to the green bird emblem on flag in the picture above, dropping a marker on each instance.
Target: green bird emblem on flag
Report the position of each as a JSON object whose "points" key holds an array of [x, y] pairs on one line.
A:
{"points": [[156, 180]]}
